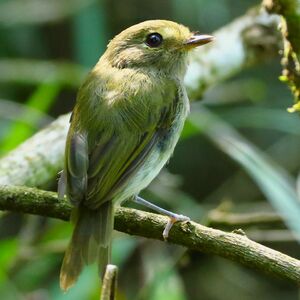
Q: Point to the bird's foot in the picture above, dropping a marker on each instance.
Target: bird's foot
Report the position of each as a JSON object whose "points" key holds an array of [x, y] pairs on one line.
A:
{"points": [[172, 220]]}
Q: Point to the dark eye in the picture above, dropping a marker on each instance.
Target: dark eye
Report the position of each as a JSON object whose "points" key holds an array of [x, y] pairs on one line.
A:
{"points": [[154, 40]]}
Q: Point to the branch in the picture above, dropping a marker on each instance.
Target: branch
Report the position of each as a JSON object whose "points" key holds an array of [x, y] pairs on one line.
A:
{"points": [[261, 226], [37, 161], [282, 236], [109, 285], [246, 41], [235, 247], [218, 218]]}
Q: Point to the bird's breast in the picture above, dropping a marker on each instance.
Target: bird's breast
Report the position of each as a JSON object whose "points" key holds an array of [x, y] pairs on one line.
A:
{"points": [[161, 152]]}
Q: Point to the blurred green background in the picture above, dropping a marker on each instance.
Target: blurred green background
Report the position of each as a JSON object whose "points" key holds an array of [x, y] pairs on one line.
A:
{"points": [[46, 48]]}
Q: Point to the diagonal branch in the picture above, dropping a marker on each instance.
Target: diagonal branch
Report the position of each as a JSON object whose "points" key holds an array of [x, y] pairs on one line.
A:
{"points": [[236, 247]]}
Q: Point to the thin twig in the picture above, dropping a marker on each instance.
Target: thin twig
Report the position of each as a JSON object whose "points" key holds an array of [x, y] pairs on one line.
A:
{"points": [[219, 218], [290, 30], [109, 284]]}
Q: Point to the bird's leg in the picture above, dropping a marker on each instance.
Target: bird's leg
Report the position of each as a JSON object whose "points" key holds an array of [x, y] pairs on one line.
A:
{"points": [[173, 218]]}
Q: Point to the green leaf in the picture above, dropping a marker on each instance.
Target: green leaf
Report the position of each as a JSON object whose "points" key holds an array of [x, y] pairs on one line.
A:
{"points": [[9, 249], [276, 184], [40, 100]]}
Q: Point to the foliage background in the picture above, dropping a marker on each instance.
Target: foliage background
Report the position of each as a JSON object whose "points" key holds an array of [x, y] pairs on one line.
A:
{"points": [[46, 48]]}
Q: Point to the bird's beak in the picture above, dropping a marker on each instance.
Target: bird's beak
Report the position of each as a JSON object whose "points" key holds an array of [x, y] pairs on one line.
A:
{"points": [[198, 40]]}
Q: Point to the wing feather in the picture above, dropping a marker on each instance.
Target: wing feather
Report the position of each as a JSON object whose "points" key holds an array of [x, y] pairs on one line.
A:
{"points": [[103, 188], [76, 167]]}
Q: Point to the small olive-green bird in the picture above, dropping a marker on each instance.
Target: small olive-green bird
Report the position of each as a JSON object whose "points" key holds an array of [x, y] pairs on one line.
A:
{"points": [[129, 113]]}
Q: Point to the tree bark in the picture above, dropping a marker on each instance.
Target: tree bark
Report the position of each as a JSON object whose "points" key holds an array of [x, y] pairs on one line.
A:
{"points": [[234, 245]]}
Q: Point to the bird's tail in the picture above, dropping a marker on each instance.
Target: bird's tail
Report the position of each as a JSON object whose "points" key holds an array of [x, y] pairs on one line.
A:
{"points": [[91, 241]]}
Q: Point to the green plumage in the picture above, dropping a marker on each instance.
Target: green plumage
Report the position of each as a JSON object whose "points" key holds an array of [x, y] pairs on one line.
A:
{"points": [[127, 120]]}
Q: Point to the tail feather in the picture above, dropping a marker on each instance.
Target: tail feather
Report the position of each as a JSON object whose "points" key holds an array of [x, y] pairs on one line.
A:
{"points": [[91, 241]]}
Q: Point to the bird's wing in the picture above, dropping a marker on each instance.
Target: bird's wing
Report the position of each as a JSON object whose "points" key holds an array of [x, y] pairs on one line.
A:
{"points": [[118, 162], [74, 176]]}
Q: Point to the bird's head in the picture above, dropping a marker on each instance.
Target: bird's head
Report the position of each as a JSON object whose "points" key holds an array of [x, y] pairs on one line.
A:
{"points": [[158, 45]]}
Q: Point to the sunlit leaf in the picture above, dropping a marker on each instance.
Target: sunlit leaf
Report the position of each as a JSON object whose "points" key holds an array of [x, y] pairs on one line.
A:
{"points": [[9, 250]]}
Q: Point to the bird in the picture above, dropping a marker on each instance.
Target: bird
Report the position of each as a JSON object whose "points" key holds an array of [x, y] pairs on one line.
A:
{"points": [[128, 116]]}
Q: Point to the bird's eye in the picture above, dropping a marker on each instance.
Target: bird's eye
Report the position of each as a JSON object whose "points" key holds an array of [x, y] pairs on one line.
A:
{"points": [[154, 40]]}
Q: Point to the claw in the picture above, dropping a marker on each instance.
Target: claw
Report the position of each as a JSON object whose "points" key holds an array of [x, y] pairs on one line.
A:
{"points": [[172, 220]]}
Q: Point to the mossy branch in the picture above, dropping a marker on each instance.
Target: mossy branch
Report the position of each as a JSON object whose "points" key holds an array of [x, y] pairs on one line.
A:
{"points": [[236, 247]]}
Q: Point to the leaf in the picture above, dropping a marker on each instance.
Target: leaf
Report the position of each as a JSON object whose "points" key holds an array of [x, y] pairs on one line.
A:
{"points": [[251, 117], [40, 100], [276, 184], [263, 118]]}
